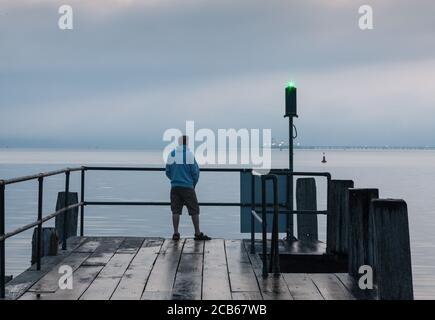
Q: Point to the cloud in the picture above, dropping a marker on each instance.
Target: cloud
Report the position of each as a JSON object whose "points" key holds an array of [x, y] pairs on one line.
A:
{"points": [[134, 68]]}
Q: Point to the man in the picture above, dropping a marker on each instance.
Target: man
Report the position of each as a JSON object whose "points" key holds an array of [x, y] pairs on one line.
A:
{"points": [[183, 171]]}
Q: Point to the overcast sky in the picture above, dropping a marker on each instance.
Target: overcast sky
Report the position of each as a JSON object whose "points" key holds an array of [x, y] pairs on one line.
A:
{"points": [[132, 69]]}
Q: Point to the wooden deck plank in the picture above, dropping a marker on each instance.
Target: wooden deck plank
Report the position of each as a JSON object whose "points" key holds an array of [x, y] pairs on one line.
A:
{"points": [[162, 275], [188, 279], [192, 246], [247, 296], [134, 279], [352, 285], [104, 252], [130, 245], [50, 281], [82, 278], [20, 284], [273, 287], [157, 295], [106, 282], [330, 287], [216, 282], [241, 273], [301, 286], [90, 245]]}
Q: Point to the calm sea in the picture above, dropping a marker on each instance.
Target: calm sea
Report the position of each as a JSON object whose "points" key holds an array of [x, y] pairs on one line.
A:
{"points": [[409, 175]]}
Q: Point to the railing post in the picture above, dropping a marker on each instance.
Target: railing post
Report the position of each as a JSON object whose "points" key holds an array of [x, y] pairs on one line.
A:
{"points": [[252, 216], [65, 214], [264, 224], [2, 242], [275, 267], [82, 200], [39, 239]]}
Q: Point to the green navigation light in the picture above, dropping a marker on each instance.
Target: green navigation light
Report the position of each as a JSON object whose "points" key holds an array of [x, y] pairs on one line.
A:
{"points": [[291, 85]]}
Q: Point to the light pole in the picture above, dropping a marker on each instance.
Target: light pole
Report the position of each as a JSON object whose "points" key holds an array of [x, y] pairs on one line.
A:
{"points": [[290, 112]]}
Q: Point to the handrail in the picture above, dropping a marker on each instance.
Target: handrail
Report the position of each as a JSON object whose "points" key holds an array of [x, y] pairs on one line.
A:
{"points": [[39, 175], [67, 208], [274, 249], [277, 211]]}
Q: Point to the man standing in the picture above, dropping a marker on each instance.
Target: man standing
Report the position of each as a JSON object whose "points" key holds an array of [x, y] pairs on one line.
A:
{"points": [[183, 171]]}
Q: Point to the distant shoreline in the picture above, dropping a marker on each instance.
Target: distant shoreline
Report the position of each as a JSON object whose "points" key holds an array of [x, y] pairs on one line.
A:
{"points": [[285, 147]]}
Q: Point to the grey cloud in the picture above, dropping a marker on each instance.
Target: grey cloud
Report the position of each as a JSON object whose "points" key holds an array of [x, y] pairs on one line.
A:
{"points": [[130, 71]]}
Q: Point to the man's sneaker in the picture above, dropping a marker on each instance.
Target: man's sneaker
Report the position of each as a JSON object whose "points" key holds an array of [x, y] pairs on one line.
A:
{"points": [[176, 236], [202, 236]]}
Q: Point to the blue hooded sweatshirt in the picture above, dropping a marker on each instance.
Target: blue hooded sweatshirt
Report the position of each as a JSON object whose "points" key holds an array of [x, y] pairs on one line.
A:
{"points": [[182, 168]]}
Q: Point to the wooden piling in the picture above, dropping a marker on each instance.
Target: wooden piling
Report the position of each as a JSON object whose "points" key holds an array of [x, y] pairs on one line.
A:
{"points": [[306, 199], [392, 252], [72, 220], [49, 243], [360, 246], [337, 221]]}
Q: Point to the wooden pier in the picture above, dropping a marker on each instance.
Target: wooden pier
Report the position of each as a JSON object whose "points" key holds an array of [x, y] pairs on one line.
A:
{"points": [[120, 268], [362, 231]]}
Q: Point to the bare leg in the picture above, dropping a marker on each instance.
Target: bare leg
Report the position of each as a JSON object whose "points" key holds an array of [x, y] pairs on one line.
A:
{"points": [[175, 222], [195, 220]]}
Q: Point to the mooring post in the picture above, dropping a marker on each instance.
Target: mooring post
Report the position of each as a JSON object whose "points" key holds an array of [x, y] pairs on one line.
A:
{"points": [[392, 252], [360, 248], [66, 227], [337, 220], [45, 242], [306, 199]]}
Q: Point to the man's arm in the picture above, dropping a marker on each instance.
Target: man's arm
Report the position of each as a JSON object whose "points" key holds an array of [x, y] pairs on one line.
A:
{"points": [[195, 172], [169, 162]]}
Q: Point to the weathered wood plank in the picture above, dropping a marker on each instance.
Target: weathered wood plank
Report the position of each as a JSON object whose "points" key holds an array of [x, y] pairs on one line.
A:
{"points": [[90, 245], [273, 287], [82, 278], [104, 252], [105, 284], [157, 295], [188, 280], [351, 284], [162, 275], [20, 284], [330, 287], [241, 273], [215, 283], [134, 279], [130, 245], [192, 246], [50, 281], [247, 296], [301, 286]]}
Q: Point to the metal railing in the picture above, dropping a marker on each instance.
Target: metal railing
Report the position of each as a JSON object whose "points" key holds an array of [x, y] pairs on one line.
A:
{"points": [[82, 203], [274, 251]]}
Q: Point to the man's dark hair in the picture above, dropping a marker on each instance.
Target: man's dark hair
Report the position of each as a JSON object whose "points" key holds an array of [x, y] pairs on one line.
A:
{"points": [[184, 140]]}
